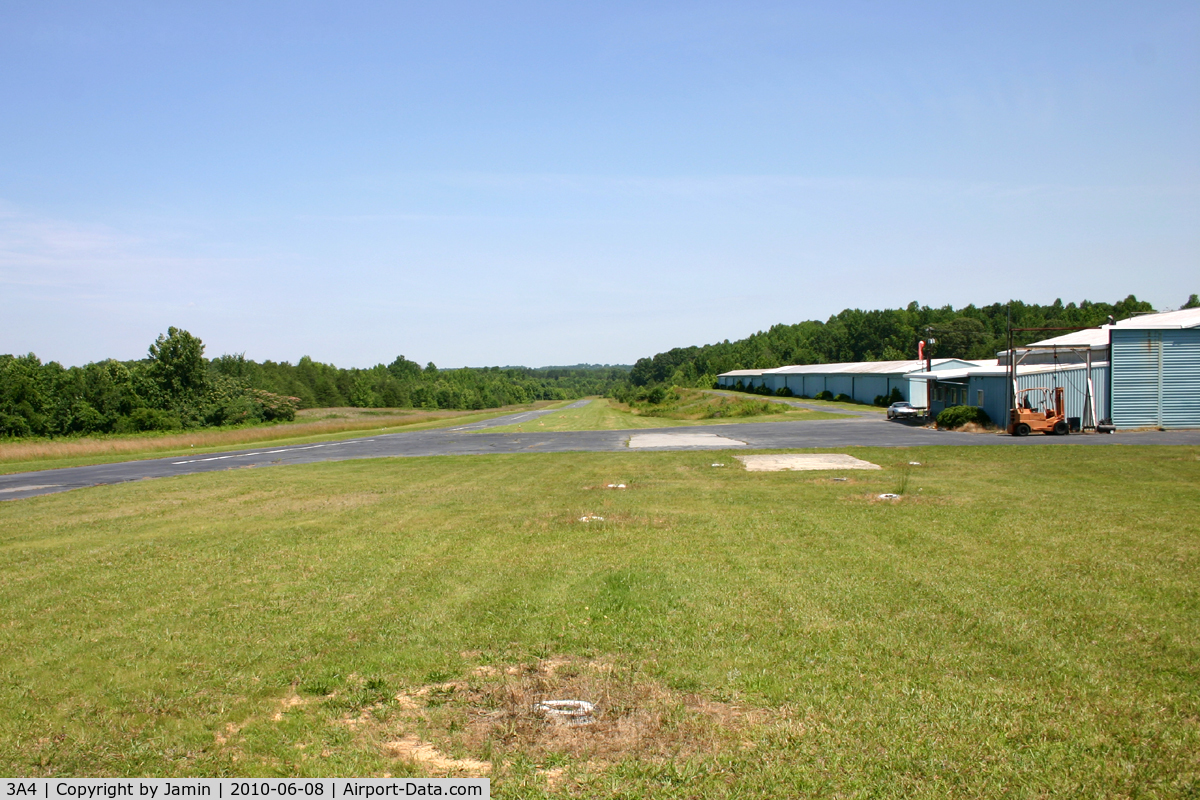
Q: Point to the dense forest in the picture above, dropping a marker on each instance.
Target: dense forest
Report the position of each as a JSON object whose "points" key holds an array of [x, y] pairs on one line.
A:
{"points": [[177, 387], [887, 335]]}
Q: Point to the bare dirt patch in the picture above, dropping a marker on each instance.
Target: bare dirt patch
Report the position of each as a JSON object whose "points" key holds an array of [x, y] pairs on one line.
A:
{"points": [[413, 749], [971, 427]]}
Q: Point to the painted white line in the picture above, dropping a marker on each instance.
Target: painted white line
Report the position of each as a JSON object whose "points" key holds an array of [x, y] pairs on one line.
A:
{"points": [[216, 458]]}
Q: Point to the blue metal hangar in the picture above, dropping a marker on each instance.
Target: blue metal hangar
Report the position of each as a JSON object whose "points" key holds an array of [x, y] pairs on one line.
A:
{"points": [[861, 380], [1155, 378], [1144, 373]]}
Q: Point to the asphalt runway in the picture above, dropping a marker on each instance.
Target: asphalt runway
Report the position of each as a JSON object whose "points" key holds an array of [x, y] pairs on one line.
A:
{"points": [[862, 430]]}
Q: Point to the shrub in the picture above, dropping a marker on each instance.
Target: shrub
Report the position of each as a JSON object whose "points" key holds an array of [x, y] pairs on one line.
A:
{"points": [[655, 396], [783, 391], [13, 425], [885, 400], [825, 395], [958, 416], [151, 419], [844, 398]]}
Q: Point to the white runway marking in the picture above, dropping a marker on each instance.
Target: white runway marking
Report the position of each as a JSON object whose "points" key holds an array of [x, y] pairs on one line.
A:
{"points": [[682, 440], [262, 453], [804, 462]]}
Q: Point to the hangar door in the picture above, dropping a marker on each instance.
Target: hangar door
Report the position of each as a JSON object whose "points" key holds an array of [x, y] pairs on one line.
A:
{"points": [[1156, 378]]}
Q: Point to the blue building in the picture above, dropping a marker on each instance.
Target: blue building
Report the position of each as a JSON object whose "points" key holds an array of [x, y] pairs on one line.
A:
{"points": [[1156, 370], [988, 388], [861, 380], [1145, 373]]}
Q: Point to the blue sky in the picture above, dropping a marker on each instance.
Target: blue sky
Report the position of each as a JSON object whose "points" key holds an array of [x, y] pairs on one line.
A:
{"points": [[524, 183]]}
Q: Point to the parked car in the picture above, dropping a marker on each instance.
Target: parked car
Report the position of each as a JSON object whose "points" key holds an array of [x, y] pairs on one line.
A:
{"points": [[903, 410]]}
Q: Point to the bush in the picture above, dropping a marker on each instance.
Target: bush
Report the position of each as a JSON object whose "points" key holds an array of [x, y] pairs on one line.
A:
{"points": [[151, 419], [13, 425], [783, 391], [958, 416], [826, 395], [844, 398], [885, 400]]}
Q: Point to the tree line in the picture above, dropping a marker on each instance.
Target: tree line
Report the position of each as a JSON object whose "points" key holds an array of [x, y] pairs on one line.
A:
{"points": [[176, 387], [886, 335]]}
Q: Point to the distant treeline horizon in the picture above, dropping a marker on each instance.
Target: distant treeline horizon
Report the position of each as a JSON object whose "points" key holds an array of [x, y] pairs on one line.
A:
{"points": [[177, 387]]}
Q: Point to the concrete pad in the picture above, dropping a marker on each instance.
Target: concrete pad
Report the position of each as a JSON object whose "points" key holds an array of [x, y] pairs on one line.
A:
{"points": [[682, 440], [804, 462]]}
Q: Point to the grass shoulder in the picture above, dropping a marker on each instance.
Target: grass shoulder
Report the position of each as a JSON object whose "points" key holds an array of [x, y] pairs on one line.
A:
{"points": [[310, 426], [832, 405], [689, 407]]}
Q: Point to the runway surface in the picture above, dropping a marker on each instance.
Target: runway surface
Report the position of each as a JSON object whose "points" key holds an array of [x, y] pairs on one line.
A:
{"points": [[865, 430]]}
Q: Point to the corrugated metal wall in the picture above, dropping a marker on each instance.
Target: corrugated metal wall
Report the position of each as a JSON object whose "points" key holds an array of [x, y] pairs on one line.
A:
{"points": [[1137, 378], [1181, 379], [863, 388], [1156, 378], [868, 387]]}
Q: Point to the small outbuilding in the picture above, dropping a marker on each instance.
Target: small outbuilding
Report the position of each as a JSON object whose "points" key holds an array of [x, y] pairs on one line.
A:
{"points": [[741, 379], [1156, 370]]}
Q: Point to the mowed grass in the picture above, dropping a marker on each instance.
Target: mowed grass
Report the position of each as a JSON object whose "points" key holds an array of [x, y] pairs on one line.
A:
{"points": [[603, 415], [1024, 622], [311, 425]]}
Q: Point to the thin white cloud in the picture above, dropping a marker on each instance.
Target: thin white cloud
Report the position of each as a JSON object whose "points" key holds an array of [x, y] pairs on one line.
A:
{"points": [[40, 251]]}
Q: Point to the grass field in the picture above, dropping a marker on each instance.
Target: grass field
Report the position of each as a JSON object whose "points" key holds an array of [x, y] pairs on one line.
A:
{"points": [[311, 425], [1023, 622], [603, 415], [832, 405]]}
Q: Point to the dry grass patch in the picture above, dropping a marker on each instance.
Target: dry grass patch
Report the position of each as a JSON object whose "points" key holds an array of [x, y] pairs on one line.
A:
{"points": [[477, 725]]}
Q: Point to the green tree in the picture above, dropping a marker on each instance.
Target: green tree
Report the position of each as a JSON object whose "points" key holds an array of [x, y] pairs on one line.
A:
{"points": [[1193, 302], [178, 368]]}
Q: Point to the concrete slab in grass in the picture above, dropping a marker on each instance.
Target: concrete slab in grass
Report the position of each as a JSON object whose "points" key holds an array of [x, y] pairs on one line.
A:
{"points": [[682, 440], [804, 462]]}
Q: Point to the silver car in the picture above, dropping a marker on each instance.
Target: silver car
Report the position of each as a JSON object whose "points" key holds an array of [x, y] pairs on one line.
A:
{"points": [[903, 410]]}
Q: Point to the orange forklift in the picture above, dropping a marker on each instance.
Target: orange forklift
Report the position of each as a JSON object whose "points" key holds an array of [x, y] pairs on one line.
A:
{"points": [[1026, 417]]}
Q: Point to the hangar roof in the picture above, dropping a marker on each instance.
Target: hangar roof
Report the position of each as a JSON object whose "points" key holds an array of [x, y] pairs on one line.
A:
{"points": [[866, 367], [992, 370], [1183, 318], [1097, 338]]}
